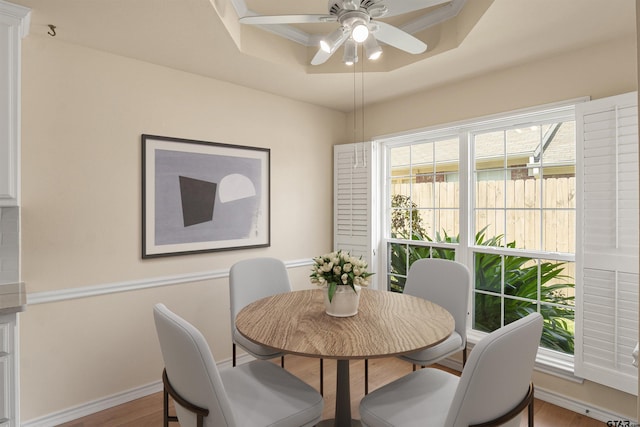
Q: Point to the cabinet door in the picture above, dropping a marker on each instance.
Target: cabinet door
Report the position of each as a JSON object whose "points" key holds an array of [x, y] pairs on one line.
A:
{"points": [[7, 396], [13, 26], [5, 391], [8, 154]]}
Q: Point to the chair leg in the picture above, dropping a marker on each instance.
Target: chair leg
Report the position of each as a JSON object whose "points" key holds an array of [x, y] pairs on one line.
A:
{"points": [[166, 418], [464, 355], [233, 358], [366, 376], [168, 390], [321, 377], [414, 367], [530, 409], [165, 408]]}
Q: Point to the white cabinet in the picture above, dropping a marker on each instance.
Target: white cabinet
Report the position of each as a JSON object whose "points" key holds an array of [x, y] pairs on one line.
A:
{"points": [[14, 25], [9, 409], [12, 301]]}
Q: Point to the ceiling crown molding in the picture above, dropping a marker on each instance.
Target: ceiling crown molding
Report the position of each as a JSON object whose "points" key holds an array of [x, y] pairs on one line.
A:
{"points": [[18, 14], [441, 14]]}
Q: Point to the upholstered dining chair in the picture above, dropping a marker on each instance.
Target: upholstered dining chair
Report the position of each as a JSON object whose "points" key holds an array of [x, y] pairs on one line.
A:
{"points": [[495, 386], [259, 393], [446, 283], [249, 281]]}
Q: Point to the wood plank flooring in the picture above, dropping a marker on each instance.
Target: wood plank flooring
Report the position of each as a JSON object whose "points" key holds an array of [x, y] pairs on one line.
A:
{"points": [[147, 411]]}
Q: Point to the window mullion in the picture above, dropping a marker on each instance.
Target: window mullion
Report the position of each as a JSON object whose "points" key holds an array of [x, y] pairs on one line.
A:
{"points": [[504, 193], [465, 199]]}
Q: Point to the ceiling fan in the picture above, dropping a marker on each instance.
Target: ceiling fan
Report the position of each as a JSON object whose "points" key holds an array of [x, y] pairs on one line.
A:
{"points": [[359, 24]]}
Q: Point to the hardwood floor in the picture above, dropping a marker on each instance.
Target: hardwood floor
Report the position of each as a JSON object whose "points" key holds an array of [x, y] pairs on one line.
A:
{"points": [[147, 411]]}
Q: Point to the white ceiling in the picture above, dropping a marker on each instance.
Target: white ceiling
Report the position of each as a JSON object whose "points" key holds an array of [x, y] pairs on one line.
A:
{"points": [[190, 35]]}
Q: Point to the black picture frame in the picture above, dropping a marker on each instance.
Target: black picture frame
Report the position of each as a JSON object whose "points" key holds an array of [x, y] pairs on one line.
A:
{"points": [[200, 196]]}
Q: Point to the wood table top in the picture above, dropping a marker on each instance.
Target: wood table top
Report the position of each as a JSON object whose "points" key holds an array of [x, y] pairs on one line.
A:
{"points": [[387, 324]]}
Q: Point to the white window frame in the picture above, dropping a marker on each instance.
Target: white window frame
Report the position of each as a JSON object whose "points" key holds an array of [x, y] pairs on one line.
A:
{"points": [[549, 361]]}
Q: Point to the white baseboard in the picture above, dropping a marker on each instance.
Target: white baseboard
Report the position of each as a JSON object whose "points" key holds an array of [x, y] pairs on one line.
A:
{"points": [[98, 405], [583, 408], [89, 408]]}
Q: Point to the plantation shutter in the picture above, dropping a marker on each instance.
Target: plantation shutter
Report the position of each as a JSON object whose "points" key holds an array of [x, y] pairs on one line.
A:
{"points": [[353, 213], [607, 261]]}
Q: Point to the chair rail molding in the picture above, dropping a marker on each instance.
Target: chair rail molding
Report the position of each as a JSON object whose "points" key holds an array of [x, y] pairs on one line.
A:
{"points": [[65, 294]]}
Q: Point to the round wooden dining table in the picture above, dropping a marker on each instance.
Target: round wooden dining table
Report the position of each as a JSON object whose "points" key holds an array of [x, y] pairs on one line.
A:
{"points": [[387, 324]]}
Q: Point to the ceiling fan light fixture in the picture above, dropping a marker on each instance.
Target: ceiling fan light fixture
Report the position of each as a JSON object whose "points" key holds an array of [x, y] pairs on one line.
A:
{"points": [[330, 43], [372, 48], [358, 19], [360, 32], [350, 52]]}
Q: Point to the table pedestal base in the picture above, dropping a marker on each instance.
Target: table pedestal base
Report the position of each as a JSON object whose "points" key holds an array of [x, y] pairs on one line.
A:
{"points": [[343, 399]]}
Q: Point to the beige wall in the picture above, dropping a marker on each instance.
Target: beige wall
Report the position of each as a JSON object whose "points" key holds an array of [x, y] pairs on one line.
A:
{"points": [[83, 114], [585, 72]]}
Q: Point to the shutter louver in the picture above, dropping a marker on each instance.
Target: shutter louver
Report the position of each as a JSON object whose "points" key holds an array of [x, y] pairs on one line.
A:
{"points": [[607, 297], [353, 200]]}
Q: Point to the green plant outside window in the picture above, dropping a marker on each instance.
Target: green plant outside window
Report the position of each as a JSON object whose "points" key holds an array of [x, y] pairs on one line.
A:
{"points": [[506, 287]]}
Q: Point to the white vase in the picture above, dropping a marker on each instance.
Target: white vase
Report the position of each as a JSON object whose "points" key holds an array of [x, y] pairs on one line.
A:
{"points": [[344, 302]]}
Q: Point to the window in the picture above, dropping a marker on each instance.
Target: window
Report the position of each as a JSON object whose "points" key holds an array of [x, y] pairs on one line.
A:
{"points": [[424, 214], [513, 224], [524, 226], [542, 206]]}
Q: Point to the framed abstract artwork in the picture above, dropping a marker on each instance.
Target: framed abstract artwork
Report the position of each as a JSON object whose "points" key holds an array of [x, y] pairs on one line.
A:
{"points": [[202, 196]]}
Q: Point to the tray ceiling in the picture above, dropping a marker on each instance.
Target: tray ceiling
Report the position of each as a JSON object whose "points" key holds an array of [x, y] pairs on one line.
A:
{"points": [[203, 37]]}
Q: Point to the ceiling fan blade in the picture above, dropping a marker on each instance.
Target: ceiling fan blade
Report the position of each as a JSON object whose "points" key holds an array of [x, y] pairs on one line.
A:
{"points": [[397, 38], [398, 7], [322, 56], [286, 19]]}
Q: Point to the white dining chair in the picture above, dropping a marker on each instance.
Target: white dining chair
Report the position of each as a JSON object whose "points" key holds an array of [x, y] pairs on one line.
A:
{"points": [[446, 283], [249, 281], [495, 386], [257, 394]]}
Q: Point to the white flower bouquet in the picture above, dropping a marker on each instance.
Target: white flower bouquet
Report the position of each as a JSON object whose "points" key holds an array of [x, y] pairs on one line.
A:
{"points": [[339, 269]]}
